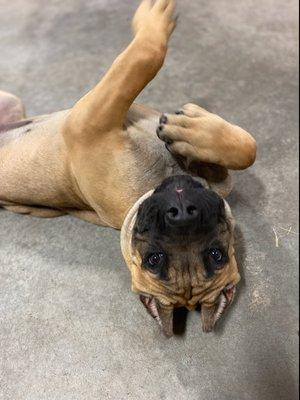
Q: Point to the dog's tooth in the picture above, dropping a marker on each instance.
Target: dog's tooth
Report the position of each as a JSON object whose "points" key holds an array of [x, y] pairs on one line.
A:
{"points": [[230, 286], [221, 308]]}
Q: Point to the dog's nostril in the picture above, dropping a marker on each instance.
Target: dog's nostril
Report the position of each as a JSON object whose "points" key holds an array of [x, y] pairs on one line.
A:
{"points": [[192, 211], [180, 216], [173, 212]]}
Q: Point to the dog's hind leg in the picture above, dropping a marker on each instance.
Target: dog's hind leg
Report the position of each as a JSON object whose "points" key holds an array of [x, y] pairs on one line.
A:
{"points": [[39, 212], [11, 108], [88, 216]]}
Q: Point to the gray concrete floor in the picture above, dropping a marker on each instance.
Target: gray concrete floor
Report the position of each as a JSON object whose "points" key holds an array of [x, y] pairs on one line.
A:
{"points": [[70, 327]]}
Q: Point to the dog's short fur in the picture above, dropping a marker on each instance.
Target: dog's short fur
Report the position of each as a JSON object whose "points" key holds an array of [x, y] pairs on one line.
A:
{"points": [[98, 159]]}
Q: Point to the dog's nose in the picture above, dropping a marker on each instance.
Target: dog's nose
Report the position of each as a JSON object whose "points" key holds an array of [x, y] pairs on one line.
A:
{"points": [[180, 216]]}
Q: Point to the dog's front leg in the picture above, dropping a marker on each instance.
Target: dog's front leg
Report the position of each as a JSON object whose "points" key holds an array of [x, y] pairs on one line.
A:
{"points": [[200, 136], [104, 108], [93, 129]]}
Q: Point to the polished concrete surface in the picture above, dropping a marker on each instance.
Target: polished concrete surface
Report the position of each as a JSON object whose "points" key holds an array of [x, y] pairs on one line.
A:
{"points": [[70, 328]]}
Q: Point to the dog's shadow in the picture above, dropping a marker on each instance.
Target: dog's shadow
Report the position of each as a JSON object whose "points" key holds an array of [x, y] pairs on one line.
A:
{"points": [[181, 314], [180, 321]]}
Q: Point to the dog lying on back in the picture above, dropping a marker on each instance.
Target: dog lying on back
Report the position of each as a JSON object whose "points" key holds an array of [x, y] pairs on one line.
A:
{"points": [[160, 178]]}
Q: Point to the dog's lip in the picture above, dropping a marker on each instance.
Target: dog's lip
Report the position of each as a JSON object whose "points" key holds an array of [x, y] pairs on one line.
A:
{"points": [[229, 292], [151, 306], [225, 299]]}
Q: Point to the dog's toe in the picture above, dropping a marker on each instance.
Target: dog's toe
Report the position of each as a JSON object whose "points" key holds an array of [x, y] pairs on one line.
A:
{"points": [[174, 127]]}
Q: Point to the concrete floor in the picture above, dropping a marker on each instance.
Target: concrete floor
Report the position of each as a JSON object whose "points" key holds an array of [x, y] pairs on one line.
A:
{"points": [[70, 327]]}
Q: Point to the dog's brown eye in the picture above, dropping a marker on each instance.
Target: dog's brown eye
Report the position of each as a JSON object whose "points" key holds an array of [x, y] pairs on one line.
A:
{"points": [[216, 255], [156, 263], [155, 259], [214, 258]]}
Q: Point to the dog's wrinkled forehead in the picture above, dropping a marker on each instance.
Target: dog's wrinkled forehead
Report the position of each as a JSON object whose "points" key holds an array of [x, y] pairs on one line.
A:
{"points": [[180, 208]]}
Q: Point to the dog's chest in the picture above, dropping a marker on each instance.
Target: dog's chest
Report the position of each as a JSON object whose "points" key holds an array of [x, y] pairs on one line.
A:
{"points": [[151, 160]]}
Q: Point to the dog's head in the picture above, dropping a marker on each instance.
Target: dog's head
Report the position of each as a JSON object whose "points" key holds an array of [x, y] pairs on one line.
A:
{"points": [[178, 244]]}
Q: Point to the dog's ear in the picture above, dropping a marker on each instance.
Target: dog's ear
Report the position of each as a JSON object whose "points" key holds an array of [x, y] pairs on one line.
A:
{"points": [[147, 215], [162, 314]]}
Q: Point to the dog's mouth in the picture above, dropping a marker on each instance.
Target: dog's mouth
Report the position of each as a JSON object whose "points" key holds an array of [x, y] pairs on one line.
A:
{"points": [[229, 292], [225, 299], [151, 306]]}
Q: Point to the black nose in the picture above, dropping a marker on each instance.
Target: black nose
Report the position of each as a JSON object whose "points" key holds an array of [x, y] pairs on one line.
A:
{"points": [[180, 216]]}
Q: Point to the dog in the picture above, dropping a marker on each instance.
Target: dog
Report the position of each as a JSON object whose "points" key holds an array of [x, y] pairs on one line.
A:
{"points": [[160, 178]]}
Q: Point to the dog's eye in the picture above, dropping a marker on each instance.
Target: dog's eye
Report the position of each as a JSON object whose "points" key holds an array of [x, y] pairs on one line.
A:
{"points": [[156, 262], [155, 259], [214, 259], [216, 255]]}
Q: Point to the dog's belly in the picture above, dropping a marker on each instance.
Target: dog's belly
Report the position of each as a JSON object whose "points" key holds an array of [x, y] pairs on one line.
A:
{"points": [[35, 167], [33, 164], [14, 131]]}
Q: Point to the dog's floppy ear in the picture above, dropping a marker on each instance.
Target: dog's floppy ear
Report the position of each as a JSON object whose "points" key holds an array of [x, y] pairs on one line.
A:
{"points": [[162, 314], [147, 215]]}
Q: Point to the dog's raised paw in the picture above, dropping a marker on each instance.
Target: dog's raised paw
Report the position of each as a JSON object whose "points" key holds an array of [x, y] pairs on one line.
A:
{"points": [[175, 130]]}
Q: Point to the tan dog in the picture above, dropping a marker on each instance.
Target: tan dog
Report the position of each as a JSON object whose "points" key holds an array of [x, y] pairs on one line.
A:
{"points": [[97, 161]]}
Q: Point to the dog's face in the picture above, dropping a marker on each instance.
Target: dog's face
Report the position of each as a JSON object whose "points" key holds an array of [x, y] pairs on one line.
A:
{"points": [[181, 251]]}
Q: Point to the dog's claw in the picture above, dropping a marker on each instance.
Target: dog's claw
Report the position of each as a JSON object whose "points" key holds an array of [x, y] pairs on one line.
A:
{"points": [[159, 130], [163, 119]]}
